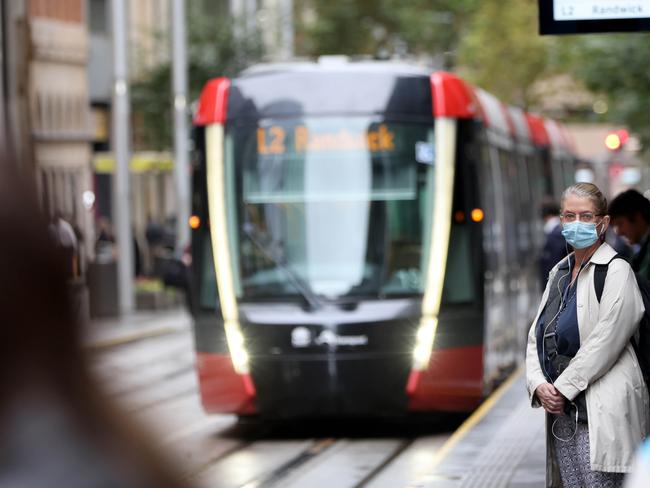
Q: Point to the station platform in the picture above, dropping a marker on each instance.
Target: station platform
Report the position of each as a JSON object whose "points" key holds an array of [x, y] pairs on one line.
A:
{"points": [[502, 445], [106, 333]]}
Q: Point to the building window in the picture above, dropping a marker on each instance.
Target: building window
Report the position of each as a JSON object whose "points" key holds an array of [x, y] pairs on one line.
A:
{"points": [[98, 17]]}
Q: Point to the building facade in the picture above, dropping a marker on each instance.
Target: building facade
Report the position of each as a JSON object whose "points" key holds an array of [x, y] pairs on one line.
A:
{"points": [[15, 130], [60, 128]]}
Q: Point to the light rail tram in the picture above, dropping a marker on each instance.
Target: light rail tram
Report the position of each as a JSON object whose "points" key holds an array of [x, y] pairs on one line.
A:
{"points": [[364, 238]]}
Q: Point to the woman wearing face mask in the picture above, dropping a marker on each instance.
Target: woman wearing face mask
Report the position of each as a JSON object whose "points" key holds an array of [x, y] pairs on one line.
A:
{"points": [[580, 364]]}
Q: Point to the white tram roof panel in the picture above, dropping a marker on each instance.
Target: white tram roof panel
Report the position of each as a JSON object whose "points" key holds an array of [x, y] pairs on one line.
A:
{"points": [[518, 117], [493, 110], [558, 141], [340, 64], [332, 88]]}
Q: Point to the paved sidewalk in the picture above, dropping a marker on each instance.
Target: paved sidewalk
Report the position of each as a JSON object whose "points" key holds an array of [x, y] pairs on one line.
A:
{"points": [[104, 333], [501, 445]]}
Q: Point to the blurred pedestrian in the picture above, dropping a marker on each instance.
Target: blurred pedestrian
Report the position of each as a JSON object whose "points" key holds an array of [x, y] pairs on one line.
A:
{"points": [[137, 256], [620, 244], [57, 429], [105, 250], [555, 247], [580, 364], [153, 235], [630, 213], [64, 237], [154, 232], [105, 230]]}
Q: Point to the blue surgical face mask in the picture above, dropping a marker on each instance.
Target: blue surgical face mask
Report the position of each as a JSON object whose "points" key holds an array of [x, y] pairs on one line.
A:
{"points": [[580, 235]]}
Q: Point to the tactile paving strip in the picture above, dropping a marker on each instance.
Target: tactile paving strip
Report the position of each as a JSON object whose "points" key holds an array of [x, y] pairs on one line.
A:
{"points": [[506, 448], [501, 457]]}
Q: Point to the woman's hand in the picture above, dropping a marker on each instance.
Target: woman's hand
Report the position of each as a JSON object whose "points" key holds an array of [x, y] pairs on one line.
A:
{"points": [[551, 399]]}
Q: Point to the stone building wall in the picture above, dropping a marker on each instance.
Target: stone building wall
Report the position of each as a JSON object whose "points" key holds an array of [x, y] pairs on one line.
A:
{"points": [[58, 100]]}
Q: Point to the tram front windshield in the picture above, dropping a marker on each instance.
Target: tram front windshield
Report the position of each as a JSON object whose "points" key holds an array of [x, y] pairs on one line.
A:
{"points": [[330, 206]]}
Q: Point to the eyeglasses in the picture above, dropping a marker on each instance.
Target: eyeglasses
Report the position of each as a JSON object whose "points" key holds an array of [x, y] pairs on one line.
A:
{"points": [[586, 217]]}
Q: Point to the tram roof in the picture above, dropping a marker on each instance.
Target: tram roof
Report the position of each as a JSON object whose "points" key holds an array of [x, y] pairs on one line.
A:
{"points": [[331, 87], [451, 96], [339, 64]]}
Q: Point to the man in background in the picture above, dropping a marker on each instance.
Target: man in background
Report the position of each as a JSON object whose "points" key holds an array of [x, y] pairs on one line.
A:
{"points": [[630, 214], [555, 247], [66, 239]]}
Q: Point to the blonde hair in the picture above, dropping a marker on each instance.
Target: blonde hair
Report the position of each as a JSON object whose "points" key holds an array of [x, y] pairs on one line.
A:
{"points": [[590, 191]]}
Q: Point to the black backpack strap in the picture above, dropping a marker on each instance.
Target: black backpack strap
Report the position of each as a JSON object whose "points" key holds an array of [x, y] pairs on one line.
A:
{"points": [[600, 273]]}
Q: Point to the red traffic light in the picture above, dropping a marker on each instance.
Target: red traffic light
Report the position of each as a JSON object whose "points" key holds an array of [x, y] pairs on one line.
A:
{"points": [[615, 140]]}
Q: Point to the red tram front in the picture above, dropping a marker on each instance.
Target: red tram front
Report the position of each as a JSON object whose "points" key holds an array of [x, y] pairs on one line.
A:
{"points": [[365, 239]]}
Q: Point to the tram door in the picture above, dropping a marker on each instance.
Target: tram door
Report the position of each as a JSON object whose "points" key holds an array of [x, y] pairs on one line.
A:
{"points": [[501, 267], [528, 206], [513, 265], [524, 211]]}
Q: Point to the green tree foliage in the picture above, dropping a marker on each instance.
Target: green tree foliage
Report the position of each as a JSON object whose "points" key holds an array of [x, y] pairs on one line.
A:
{"points": [[212, 50], [617, 66], [502, 50], [382, 27], [493, 43]]}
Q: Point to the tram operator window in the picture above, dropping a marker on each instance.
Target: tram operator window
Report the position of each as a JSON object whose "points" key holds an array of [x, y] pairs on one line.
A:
{"points": [[459, 285], [339, 205], [459, 277]]}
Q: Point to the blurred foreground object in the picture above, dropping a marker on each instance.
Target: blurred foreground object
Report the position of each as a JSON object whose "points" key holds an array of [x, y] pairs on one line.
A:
{"points": [[57, 428], [640, 477]]}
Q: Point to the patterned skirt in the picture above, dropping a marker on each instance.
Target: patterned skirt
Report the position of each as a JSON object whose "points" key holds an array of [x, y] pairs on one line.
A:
{"points": [[572, 452]]}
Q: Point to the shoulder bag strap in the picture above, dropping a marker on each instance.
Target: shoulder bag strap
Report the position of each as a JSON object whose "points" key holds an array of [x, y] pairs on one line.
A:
{"points": [[600, 273]]}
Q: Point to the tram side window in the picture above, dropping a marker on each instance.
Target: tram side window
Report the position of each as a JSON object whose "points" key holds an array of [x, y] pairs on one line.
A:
{"points": [[511, 207], [459, 285], [527, 207], [459, 277], [568, 172], [491, 232], [538, 190]]}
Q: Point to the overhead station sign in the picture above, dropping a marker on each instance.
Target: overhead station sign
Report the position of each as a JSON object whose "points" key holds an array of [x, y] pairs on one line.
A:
{"points": [[604, 10], [587, 16]]}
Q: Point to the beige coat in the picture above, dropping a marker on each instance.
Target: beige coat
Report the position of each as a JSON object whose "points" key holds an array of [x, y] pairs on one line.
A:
{"points": [[605, 366]]}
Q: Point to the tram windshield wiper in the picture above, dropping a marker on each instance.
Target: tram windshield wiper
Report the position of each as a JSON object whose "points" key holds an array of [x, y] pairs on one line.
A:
{"points": [[311, 299]]}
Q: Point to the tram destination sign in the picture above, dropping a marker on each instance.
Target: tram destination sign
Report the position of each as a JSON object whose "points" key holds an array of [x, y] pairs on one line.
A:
{"points": [[280, 140], [592, 16]]}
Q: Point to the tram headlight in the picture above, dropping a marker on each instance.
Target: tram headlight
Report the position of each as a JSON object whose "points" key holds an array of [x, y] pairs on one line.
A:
{"points": [[237, 347], [421, 356], [240, 360], [424, 342]]}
